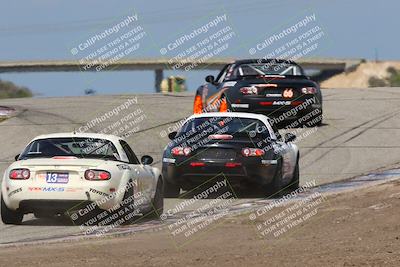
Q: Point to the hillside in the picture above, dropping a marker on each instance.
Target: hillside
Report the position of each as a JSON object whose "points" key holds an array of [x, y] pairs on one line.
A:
{"points": [[360, 77], [10, 90]]}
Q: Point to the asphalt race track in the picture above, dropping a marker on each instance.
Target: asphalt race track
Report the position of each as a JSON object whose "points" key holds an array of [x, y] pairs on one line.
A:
{"points": [[360, 135]]}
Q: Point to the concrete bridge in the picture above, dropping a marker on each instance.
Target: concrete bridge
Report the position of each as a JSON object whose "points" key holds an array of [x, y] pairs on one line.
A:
{"points": [[324, 66]]}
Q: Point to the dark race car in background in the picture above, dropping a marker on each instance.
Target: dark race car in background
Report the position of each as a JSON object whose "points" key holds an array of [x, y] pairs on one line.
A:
{"points": [[276, 88], [243, 148]]}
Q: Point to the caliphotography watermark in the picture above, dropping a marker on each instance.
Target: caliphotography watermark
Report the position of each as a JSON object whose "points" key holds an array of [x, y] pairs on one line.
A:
{"points": [[108, 210], [291, 43], [123, 120], [195, 46], [107, 46], [199, 210], [285, 214]]}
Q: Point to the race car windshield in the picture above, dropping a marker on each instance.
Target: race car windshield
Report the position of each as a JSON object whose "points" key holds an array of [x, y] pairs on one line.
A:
{"points": [[71, 147], [224, 125], [256, 69]]}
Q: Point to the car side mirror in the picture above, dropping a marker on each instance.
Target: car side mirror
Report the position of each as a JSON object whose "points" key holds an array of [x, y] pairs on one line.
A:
{"points": [[16, 157], [172, 135], [146, 160], [210, 79], [289, 137]]}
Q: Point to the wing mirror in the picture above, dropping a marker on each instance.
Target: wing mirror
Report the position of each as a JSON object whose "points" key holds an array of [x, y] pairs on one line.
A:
{"points": [[172, 135], [289, 137], [146, 160], [210, 79], [16, 157]]}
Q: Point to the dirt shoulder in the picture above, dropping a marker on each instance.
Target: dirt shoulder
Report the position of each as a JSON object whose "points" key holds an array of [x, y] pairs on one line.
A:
{"points": [[350, 229], [359, 78]]}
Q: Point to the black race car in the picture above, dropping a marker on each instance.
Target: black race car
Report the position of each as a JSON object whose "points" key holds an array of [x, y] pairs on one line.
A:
{"points": [[276, 88], [243, 148]]}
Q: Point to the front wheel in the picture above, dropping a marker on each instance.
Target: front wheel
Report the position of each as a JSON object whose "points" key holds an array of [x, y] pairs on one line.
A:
{"points": [[9, 216], [295, 182]]}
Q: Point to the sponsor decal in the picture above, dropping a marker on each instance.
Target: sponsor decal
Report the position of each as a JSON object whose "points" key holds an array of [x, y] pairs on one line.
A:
{"points": [[123, 167], [169, 160], [229, 84], [46, 189], [15, 192], [53, 189], [240, 105], [273, 95], [281, 103], [34, 189], [269, 162], [95, 191]]}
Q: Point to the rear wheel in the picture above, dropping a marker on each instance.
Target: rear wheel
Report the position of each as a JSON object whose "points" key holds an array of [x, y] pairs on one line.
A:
{"points": [[127, 208], [275, 188], [295, 182], [171, 190], [9, 216], [158, 201]]}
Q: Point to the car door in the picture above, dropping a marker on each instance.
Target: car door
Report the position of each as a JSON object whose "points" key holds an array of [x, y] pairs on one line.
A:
{"points": [[144, 174]]}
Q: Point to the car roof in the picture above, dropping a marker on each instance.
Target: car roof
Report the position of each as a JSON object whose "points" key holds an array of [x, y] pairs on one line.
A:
{"points": [[112, 138], [264, 60], [244, 115], [230, 114]]}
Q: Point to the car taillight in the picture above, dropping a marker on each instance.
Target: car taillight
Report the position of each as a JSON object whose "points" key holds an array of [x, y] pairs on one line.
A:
{"points": [[252, 90], [197, 164], [20, 174], [181, 151], [252, 152], [233, 164], [198, 105], [308, 90], [97, 175]]}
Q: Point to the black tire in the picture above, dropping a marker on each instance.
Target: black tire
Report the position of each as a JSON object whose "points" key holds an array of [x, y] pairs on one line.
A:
{"points": [[171, 190], [128, 204], [276, 186], [9, 216], [158, 202], [295, 182]]}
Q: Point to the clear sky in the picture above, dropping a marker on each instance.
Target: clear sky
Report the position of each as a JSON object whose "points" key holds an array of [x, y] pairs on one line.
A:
{"points": [[49, 29]]}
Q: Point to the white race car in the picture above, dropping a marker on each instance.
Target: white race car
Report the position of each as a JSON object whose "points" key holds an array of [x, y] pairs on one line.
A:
{"points": [[78, 173]]}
